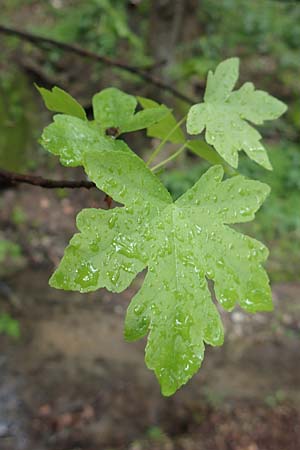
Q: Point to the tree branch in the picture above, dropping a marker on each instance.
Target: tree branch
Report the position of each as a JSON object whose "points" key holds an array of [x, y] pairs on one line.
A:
{"points": [[11, 179], [40, 41]]}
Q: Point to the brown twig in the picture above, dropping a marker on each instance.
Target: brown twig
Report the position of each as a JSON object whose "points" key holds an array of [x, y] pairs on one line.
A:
{"points": [[40, 40], [11, 179]]}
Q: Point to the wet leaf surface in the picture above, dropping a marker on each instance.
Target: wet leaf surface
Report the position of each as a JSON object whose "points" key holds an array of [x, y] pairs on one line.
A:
{"points": [[181, 243], [225, 115]]}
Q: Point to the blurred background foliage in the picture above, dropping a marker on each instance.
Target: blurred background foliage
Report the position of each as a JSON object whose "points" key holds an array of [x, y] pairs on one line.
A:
{"points": [[264, 34]]}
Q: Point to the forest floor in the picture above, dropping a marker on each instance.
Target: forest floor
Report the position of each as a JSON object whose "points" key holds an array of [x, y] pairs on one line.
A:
{"points": [[71, 381]]}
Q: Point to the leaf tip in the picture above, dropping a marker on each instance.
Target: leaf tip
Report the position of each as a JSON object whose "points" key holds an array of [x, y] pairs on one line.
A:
{"points": [[53, 281], [230, 64]]}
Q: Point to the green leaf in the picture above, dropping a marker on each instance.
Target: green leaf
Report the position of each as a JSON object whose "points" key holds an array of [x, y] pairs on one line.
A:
{"points": [[225, 115], [116, 109], [109, 251], [163, 128], [181, 244], [70, 137], [59, 100]]}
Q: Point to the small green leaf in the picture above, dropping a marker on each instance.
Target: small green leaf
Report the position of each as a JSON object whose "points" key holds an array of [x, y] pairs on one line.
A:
{"points": [[116, 109], [112, 107], [59, 100], [224, 115], [166, 124], [70, 137], [181, 243]]}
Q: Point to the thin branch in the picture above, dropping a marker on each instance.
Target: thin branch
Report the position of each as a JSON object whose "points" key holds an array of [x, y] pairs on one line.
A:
{"points": [[11, 179], [40, 40]]}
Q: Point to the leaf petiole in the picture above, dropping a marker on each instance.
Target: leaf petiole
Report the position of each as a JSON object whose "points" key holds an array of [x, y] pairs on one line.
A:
{"points": [[170, 158], [160, 146]]}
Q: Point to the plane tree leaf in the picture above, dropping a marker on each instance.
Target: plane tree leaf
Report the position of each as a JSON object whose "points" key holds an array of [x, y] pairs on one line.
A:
{"points": [[181, 244], [58, 100], [225, 115], [116, 109]]}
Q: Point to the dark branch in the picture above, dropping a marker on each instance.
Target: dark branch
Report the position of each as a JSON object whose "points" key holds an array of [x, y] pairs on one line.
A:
{"points": [[11, 179], [40, 40]]}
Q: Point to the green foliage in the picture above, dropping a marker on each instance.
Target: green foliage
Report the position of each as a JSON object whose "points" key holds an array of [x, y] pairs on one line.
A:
{"points": [[165, 128], [152, 231], [205, 151], [224, 114], [70, 137], [101, 25], [282, 207], [11, 258], [278, 221], [155, 433], [177, 181], [17, 123], [9, 326], [269, 28], [60, 101], [115, 109], [18, 215], [8, 249], [169, 130], [266, 35], [182, 244]]}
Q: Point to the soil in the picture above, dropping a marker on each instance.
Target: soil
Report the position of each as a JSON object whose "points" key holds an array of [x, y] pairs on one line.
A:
{"points": [[71, 381]]}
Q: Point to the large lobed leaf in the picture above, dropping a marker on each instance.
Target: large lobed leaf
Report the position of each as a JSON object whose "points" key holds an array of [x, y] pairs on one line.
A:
{"points": [[225, 115], [181, 244]]}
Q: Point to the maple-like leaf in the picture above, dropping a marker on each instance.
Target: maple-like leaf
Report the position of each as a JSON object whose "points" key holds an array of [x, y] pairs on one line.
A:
{"points": [[166, 127], [225, 115], [181, 244]]}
